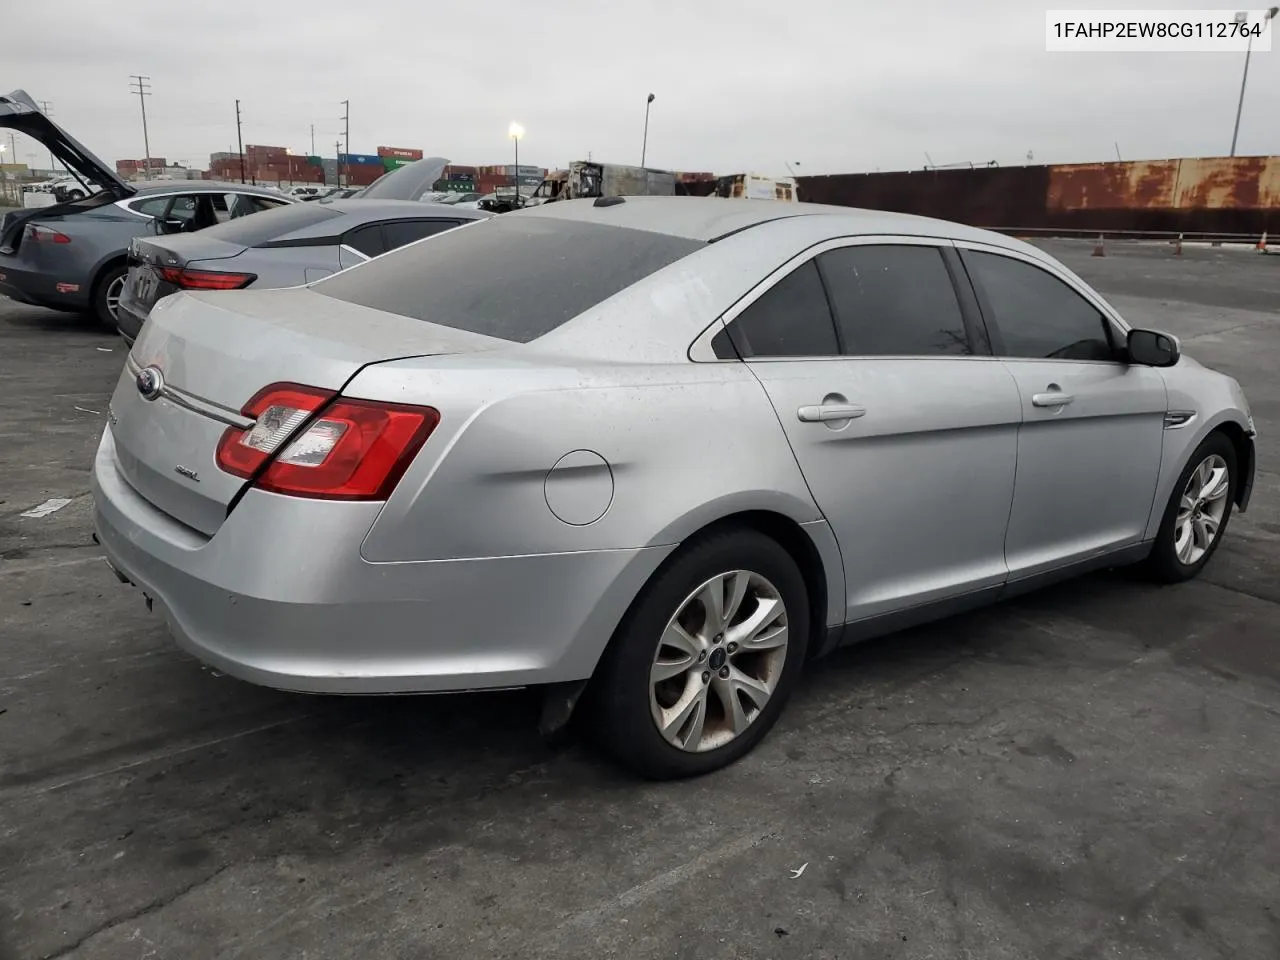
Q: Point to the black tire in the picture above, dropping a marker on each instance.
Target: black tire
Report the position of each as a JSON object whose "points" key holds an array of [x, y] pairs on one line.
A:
{"points": [[98, 301], [618, 706], [1163, 563]]}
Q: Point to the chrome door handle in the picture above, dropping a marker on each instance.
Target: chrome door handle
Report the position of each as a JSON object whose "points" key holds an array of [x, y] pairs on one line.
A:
{"points": [[1051, 399], [822, 412]]}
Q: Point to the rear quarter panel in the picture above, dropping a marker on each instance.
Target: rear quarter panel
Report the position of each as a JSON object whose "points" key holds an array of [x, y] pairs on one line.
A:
{"points": [[99, 238], [279, 266], [685, 444]]}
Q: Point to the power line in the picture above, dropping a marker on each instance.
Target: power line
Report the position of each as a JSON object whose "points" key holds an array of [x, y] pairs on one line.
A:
{"points": [[143, 90]]}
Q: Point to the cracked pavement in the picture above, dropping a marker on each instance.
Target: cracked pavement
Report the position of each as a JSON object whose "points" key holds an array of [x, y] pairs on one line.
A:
{"points": [[1089, 771]]}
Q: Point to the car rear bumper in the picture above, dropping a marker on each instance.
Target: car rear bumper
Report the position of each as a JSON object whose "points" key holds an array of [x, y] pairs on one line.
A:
{"points": [[280, 596], [41, 290], [128, 323]]}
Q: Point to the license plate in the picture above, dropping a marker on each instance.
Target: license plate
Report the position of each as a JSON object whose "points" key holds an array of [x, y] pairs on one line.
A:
{"points": [[144, 285]]}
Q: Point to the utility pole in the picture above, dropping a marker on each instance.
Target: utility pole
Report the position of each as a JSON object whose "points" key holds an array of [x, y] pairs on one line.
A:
{"points": [[143, 91], [337, 151], [313, 139], [343, 176], [240, 141], [48, 112]]}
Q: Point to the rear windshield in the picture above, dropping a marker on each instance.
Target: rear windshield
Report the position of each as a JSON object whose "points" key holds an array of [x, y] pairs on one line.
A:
{"points": [[256, 228], [511, 277]]}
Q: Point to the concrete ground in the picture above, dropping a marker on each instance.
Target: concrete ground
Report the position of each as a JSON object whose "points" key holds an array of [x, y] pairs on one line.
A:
{"points": [[1086, 772]]}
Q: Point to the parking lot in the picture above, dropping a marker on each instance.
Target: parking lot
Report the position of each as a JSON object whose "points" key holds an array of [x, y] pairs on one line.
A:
{"points": [[1086, 772]]}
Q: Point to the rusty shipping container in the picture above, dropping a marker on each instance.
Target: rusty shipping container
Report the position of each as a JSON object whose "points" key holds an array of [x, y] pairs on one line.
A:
{"points": [[402, 153], [1192, 195]]}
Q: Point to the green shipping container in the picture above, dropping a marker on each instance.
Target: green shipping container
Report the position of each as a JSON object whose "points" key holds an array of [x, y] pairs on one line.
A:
{"points": [[454, 186], [395, 163], [314, 161]]}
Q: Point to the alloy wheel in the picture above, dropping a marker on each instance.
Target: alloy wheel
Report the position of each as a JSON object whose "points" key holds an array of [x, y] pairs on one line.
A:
{"points": [[114, 290], [718, 661], [1201, 509]]}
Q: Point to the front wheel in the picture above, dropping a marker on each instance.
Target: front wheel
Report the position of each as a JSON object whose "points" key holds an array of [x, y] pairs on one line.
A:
{"points": [[106, 296], [1197, 513], [705, 660]]}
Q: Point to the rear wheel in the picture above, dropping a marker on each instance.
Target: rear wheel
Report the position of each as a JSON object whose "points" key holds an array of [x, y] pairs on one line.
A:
{"points": [[1197, 513], [106, 295], [705, 660]]}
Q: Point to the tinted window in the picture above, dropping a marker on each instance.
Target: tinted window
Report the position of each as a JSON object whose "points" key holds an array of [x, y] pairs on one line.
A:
{"points": [[894, 301], [151, 207], [243, 204], [184, 208], [399, 232], [516, 278], [1037, 314], [367, 239], [791, 319], [270, 224]]}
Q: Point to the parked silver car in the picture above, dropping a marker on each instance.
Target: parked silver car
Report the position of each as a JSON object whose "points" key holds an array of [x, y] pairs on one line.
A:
{"points": [[279, 248], [71, 256], [663, 449]]}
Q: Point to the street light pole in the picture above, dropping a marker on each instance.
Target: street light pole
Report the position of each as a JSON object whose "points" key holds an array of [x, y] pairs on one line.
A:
{"points": [[515, 132], [1242, 18], [644, 148]]}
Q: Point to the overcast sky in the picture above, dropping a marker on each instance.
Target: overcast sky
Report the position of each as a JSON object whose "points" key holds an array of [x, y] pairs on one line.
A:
{"points": [[837, 85]]}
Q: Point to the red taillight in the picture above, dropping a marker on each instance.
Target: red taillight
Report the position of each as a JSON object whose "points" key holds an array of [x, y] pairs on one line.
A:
{"points": [[350, 450], [43, 235], [279, 410], [205, 279]]}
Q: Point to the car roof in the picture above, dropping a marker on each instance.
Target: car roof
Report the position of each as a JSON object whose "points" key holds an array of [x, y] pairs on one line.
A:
{"points": [[708, 219], [147, 187], [378, 209], [352, 212]]}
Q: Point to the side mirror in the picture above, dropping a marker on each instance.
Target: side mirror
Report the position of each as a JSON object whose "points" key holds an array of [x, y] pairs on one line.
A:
{"points": [[1150, 348]]}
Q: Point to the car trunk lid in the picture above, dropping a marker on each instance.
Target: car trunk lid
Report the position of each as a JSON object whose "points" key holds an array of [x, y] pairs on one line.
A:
{"points": [[156, 269], [19, 112], [212, 353]]}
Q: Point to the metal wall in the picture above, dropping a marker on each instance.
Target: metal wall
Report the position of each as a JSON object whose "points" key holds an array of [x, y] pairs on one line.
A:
{"points": [[1206, 195]]}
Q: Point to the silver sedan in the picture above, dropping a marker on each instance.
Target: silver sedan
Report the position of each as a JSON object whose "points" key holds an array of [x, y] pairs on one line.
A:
{"points": [[655, 454]]}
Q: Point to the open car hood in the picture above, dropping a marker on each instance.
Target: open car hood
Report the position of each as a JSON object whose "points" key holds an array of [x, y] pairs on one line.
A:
{"points": [[409, 182], [19, 112]]}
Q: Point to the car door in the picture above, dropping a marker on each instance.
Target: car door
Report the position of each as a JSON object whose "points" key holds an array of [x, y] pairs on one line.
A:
{"points": [[1093, 425], [904, 426]]}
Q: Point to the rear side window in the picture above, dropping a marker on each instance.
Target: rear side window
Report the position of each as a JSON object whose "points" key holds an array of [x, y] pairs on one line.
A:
{"points": [[515, 278], [396, 233], [1038, 315], [366, 239], [249, 231], [791, 319], [894, 300]]}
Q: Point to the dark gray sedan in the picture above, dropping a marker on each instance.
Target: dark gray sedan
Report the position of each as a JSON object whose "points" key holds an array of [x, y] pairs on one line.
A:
{"points": [[295, 245], [71, 256]]}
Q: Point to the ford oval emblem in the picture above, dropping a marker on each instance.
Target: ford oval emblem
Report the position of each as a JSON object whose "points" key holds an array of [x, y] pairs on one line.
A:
{"points": [[150, 383]]}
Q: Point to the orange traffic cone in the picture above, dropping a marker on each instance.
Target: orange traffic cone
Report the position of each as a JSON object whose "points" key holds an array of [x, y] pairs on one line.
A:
{"points": [[1177, 247], [1098, 250], [1262, 244]]}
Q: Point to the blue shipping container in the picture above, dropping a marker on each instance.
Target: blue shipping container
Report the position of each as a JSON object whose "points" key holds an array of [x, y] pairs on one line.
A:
{"points": [[353, 158]]}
